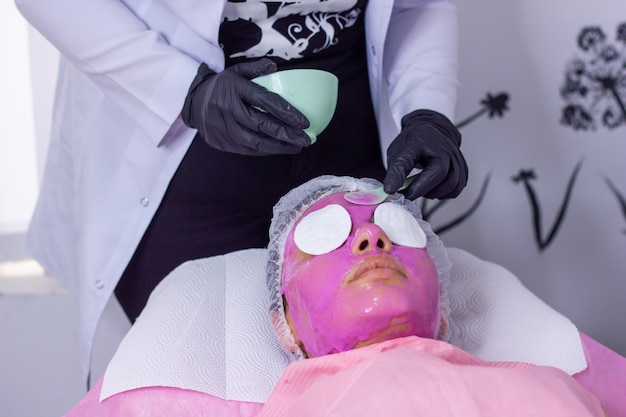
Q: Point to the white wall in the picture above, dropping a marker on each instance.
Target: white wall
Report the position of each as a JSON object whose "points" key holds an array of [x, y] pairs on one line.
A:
{"points": [[18, 165], [522, 48]]}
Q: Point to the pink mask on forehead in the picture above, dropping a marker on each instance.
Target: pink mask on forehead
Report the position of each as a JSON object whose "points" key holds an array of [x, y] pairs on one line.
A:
{"points": [[330, 315]]}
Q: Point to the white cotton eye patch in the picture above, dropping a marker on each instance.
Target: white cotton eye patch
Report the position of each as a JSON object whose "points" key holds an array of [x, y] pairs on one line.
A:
{"points": [[323, 231], [399, 225]]}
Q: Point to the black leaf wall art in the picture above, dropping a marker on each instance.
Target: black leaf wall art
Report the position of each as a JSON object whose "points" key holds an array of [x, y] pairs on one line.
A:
{"points": [[619, 196], [594, 89], [427, 212], [526, 177], [492, 105]]}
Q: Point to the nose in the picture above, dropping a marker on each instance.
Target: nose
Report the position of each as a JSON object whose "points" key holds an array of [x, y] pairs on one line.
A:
{"points": [[370, 238]]}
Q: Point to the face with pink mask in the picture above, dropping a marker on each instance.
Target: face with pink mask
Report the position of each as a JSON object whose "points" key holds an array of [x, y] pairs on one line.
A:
{"points": [[366, 290]]}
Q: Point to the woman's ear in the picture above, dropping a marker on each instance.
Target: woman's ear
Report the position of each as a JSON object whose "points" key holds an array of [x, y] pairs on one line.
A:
{"points": [[294, 332], [443, 328]]}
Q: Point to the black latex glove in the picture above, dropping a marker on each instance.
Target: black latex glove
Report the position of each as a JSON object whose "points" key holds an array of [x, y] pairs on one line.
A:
{"points": [[220, 106], [428, 140]]}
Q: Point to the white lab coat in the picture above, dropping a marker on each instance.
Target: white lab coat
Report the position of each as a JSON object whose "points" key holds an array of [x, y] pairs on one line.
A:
{"points": [[116, 136]]}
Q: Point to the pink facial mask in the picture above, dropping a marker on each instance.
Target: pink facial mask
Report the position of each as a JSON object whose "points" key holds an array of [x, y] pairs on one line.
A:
{"points": [[367, 290]]}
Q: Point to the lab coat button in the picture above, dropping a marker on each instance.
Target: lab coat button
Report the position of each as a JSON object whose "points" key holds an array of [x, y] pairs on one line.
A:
{"points": [[373, 50], [144, 201], [99, 284]]}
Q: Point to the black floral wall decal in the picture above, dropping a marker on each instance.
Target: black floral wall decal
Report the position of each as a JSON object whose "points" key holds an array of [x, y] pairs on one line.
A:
{"points": [[526, 177], [492, 105], [594, 90], [620, 198]]}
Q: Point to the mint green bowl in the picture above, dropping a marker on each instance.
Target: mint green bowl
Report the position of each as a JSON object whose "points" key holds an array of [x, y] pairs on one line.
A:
{"points": [[312, 91]]}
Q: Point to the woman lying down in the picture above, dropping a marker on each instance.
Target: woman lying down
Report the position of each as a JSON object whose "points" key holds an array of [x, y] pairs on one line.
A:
{"points": [[360, 307], [362, 299]]}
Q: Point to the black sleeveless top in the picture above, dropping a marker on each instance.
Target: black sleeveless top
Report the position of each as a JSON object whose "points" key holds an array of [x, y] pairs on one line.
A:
{"points": [[327, 35]]}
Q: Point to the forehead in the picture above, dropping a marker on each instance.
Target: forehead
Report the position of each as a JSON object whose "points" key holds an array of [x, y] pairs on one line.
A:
{"points": [[357, 212]]}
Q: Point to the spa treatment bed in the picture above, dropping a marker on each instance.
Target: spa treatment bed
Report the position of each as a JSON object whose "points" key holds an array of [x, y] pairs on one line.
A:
{"points": [[205, 347]]}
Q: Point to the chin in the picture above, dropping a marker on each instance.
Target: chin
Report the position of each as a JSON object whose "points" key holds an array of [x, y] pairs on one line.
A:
{"points": [[392, 332]]}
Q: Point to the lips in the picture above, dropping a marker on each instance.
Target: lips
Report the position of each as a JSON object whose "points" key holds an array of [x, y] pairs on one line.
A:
{"points": [[376, 268]]}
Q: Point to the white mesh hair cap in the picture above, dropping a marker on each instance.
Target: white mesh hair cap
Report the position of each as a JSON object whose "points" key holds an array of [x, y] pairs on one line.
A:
{"points": [[289, 209]]}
